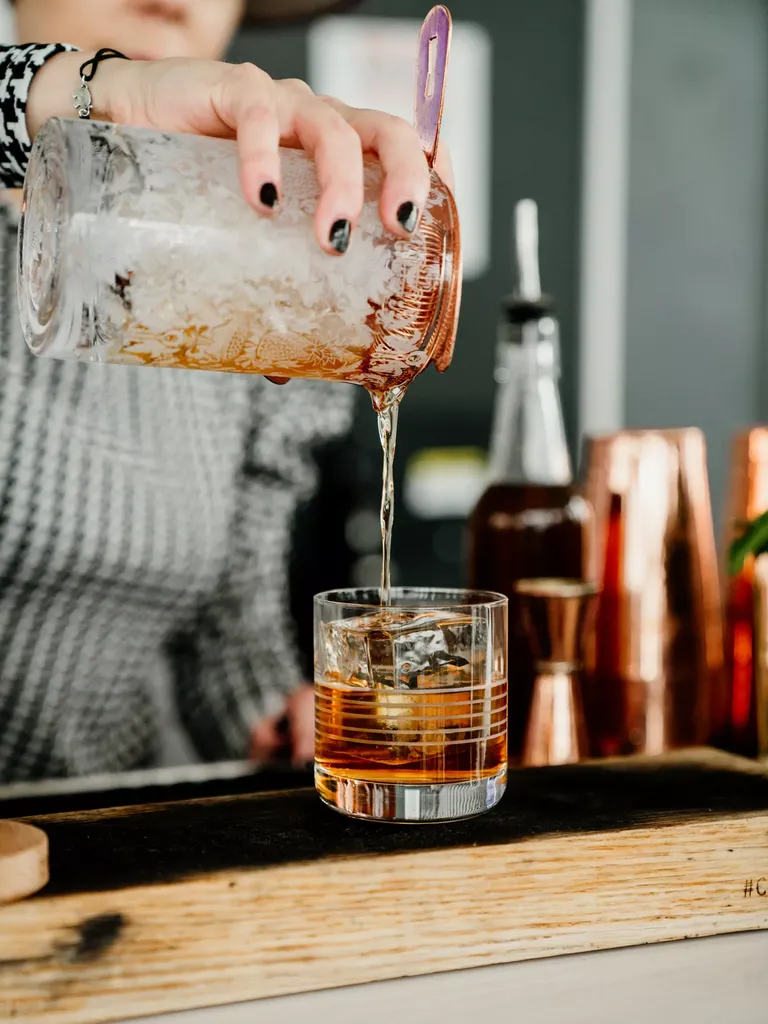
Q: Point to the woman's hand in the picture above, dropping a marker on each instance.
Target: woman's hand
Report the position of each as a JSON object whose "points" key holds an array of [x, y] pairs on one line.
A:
{"points": [[243, 102], [292, 730]]}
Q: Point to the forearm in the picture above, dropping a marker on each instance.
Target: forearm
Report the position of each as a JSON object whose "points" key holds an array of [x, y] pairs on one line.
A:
{"points": [[19, 65], [237, 662], [50, 94], [38, 82]]}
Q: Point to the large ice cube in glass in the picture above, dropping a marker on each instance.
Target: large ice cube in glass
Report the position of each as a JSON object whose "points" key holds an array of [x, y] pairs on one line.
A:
{"points": [[401, 649]]}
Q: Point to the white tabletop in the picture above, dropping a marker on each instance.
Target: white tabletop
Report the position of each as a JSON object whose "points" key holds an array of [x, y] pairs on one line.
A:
{"points": [[707, 981]]}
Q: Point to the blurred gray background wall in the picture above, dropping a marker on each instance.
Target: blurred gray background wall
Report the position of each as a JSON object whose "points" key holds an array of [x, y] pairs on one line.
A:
{"points": [[698, 174]]}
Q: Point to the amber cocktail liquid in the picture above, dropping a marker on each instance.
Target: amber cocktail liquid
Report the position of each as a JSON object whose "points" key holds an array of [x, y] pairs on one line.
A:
{"points": [[411, 703]]}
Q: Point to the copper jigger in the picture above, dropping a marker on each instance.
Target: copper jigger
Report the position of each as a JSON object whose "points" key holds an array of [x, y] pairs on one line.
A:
{"points": [[556, 614], [655, 658], [746, 682]]}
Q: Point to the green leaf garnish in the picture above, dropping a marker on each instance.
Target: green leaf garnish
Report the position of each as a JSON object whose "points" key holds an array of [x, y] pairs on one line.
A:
{"points": [[754, 541]]}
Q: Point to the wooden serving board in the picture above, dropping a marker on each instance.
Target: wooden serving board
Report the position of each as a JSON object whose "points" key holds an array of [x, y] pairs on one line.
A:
{"points": [[164, 907]]}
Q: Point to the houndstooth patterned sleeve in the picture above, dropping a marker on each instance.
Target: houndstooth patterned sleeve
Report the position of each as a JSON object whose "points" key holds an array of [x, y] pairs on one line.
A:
{"points": [[18, 67], [238, 661]]}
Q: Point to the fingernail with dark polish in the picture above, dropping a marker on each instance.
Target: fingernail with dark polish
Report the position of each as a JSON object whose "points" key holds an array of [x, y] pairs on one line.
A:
{"points": [[408, 216], [340, 234], [268, 195]]}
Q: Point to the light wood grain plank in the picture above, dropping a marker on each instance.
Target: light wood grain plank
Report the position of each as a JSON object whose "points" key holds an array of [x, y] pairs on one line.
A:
{"points": [[249, 934]]}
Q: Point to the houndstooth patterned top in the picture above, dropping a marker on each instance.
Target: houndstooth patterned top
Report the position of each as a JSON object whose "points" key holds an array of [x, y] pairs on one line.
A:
{"points": [[144, 517]]}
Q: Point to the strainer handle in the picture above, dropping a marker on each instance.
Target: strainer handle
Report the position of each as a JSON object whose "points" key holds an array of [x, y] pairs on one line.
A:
{"points": [[431, 72]]}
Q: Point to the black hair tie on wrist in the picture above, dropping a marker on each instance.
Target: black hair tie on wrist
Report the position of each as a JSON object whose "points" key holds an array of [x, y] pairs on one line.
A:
{"points": [[82, 99]]}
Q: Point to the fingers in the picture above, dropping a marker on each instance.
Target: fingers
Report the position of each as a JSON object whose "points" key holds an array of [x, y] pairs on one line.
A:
{"points": [[295, 726], [265, 114], [406, 174], [335, 146], [301, 718], [266, 740], [257, 123]]}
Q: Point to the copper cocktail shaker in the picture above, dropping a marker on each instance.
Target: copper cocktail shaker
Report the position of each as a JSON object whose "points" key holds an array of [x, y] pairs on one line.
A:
{"points": [[655, 657]]}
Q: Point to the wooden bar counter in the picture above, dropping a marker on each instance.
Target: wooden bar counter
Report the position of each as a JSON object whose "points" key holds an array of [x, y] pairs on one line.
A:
{"points": [[206, 902]]}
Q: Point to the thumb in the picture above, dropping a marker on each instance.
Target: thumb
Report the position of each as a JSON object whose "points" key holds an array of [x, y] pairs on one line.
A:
{"points": [[444, 167]]}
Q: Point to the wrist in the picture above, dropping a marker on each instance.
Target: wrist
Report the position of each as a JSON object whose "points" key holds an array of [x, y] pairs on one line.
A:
{"points": [[53, 88], [50, 94], [111, 89]]}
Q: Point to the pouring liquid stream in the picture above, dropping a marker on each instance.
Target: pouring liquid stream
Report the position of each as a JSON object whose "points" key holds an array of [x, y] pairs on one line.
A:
{"points": [[387, 406], [431, 71]]}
